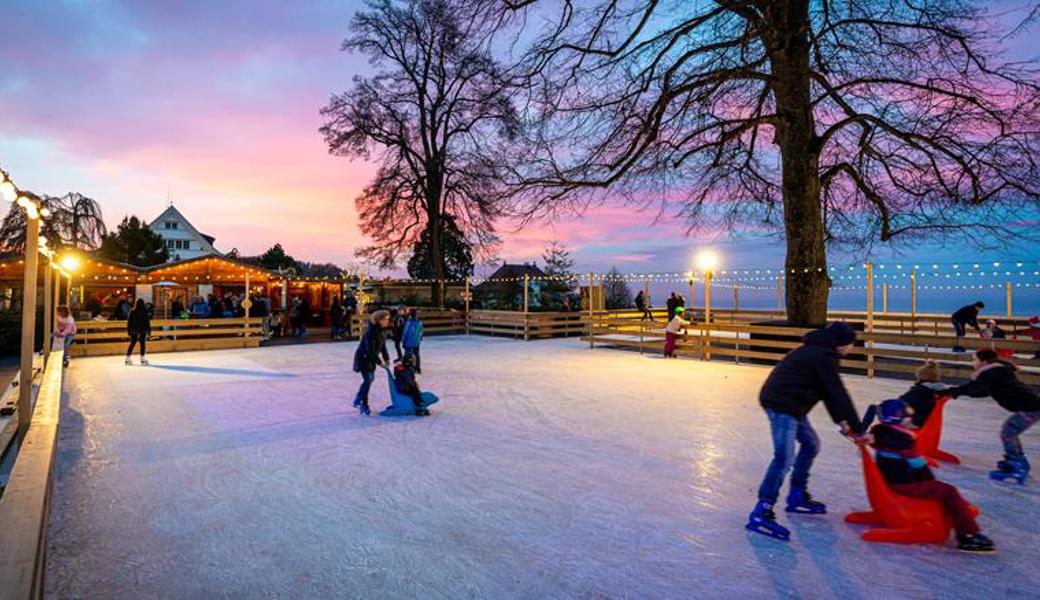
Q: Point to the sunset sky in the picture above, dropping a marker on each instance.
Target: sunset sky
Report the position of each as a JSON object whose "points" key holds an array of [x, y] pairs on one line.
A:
{"points": [[216, 104]]}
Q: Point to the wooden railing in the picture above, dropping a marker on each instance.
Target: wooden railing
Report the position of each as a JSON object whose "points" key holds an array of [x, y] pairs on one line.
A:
{"points": [[25, 504], [102, 338], [880, 351], [528, 325], [435, 322]]}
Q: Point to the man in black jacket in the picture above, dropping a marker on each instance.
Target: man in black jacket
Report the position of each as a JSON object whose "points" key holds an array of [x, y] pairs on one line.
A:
{"points": [[965, 315], [805, 376]]}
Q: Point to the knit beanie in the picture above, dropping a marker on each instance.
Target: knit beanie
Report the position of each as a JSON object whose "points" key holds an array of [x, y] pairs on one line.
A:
{"points": [[929, 371], [842, 332]]}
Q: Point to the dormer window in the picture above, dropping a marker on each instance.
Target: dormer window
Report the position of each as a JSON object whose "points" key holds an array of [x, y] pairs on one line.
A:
{"points": [[170, 225]]}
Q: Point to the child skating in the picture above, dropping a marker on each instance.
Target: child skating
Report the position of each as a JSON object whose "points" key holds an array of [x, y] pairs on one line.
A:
{"points": [[671, 331], [907, 473], [996, 378], [921, 397], [805, 376], [404, 383], [411, 337]]}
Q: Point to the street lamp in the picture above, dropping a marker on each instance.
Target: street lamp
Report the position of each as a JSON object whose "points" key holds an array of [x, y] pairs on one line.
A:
{"points": [[707, 260], [70, 262]]}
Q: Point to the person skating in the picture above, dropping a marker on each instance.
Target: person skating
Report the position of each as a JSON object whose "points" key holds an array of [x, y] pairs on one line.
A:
{"points": [[921, 396], [404, 382], [671, 331], [65, 329], [805, 376], [138, 327], [907, 473], [670, 304], [643, 305], [996, 378], [965, 315], [371, 353], [400, 318], [337, 314], [411, 337]]}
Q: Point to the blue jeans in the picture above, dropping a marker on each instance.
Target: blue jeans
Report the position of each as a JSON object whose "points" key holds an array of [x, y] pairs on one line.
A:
{"points": [[1014, 427], [786, 430], [367, 377]]}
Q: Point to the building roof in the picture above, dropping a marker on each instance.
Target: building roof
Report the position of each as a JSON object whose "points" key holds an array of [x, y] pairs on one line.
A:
{"points": [[171, 212], [508, 271]]}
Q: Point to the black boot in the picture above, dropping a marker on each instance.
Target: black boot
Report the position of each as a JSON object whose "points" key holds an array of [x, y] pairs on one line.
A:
{"points": [[974, 543]]}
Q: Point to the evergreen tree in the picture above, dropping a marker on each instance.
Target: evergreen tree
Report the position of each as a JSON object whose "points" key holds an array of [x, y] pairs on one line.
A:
{"points": [[275, 258], [457, 254], [559, 268], [615, 290], [133, 243]]}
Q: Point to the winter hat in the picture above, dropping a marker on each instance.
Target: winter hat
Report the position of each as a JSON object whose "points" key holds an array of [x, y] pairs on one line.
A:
{"points": [[893, 411], [679, 309], [413, 312], [929, 371], [1034, 321], [842, 332]]}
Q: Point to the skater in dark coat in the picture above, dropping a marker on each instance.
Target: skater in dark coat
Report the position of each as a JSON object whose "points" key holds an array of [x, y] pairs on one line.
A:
{"points": [[400, 318], [996, 378], [404, 381], [670, 304], [805, 376], [643, 305], [336, 314], [371, 353], [138, 327], [965, 315], [907, 473]]}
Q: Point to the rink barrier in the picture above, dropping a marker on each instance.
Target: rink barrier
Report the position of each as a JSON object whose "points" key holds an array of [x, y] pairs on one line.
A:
{"points": [[435, 321], [25, 504], [527, 326], [887, 352], [107, 338]]}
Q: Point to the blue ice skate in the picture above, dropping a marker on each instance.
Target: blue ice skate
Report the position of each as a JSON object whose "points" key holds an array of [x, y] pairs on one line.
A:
{"points": [[1011, 469], [799, 501], [763, 520], [401, 404]]}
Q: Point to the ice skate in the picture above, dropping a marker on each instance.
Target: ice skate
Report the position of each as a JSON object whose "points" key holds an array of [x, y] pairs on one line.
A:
{"points": [[364, 409], [763, 520], [799, 501], [422, 412], [974, 543], [144, 362], [1016, 470], [128, 362]]}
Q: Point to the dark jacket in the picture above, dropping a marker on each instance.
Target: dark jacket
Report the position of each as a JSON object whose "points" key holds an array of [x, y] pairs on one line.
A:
{"points": [[897, 456], [921, 398], [370, 348], [670, 304], [138, 323], [967, 315], [807, 375], [404, 380], [1001, 384], [398, 332], [177, 308], [216, 309], [640, 301], [336, 312]]}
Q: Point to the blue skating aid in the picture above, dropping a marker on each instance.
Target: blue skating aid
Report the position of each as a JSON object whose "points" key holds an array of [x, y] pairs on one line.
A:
{"points": [[401, 404], [762, 520]]}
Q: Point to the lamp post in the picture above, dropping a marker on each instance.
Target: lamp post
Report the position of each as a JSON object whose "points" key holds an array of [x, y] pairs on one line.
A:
{"points": [[707, 260], [32, 256]]}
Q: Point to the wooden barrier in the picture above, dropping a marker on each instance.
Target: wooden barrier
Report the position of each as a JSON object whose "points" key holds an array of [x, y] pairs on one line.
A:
{"points": [[435, 321], [106, 338], [887, 352], [25, 504], [530, 325]]}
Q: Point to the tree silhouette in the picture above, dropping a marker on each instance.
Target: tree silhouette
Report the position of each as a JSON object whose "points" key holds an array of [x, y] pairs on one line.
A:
{"points": [[133, 243], [428, 116], [74, 221], [829, 121], [456, 254], [275, 258]]}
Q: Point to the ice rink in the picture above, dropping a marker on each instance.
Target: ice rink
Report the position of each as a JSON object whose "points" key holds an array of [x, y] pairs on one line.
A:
{"points": [[548, 470]]}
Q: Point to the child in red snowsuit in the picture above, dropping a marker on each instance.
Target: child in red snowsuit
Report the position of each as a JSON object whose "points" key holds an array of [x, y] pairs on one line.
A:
{"points": [[907, 472]]}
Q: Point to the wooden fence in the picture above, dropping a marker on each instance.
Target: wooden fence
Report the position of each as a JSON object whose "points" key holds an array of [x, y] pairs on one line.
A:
{"points": [[435, 322], [105, 338], [25, 504], [530, 325], [883, 351]]}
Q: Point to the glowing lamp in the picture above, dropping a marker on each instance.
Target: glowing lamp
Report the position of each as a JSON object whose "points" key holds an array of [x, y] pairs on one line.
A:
{"points": [[8, 191], [707, 260], [70, 263]]}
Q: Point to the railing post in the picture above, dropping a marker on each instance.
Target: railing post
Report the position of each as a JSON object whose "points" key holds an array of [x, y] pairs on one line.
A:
{"points": [[913, 302], [870, 319], [246, 304], [1007, 299], [591, 313], [884, 298], [780, 294], [736, 302], [25, 373], [48, 309], [465, 297], [693, 297]]}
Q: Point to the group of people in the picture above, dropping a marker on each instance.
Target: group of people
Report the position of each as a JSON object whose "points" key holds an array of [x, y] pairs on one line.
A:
{"points": [[968, 316], [405, 328], [809, 374], [672, 304]]}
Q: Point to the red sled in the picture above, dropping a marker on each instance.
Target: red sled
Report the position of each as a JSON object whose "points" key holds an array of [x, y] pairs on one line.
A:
{"points": [[901, 519], [930, 434]]}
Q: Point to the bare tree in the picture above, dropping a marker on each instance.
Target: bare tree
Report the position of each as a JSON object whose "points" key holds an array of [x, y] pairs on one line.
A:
{"points": [[830, 121], [74, 221], [428, 116]]}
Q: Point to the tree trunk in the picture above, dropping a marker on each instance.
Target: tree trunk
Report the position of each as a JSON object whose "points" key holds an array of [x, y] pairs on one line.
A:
{"points": [[806, 267], [437, 290]]}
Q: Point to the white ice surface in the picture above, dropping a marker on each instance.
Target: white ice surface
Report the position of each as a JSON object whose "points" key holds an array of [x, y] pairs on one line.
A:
{"points": [[548, 470]]}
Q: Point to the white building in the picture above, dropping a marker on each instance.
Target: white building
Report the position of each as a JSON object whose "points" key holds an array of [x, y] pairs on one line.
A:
{"points": [[182, 240]]}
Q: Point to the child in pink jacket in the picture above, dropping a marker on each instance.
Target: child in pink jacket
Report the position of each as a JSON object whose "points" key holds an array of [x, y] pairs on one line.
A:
{"points": [[65, 328]]}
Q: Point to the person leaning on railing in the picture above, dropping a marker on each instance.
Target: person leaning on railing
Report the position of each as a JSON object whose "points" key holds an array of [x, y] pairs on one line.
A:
{"points": [[65, 328]]}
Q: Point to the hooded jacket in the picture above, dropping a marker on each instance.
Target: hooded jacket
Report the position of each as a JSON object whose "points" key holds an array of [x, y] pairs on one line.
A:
{"points": [[807, 375], [412, 334], [998, 380], [370, 348], [138, 322]]}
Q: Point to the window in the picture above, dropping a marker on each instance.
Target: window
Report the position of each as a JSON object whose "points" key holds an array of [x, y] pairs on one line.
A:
{"points": [[170, 225], [169, 244]]}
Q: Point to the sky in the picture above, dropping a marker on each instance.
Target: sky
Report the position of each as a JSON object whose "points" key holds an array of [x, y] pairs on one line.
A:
{"points": [[215, 106]]}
